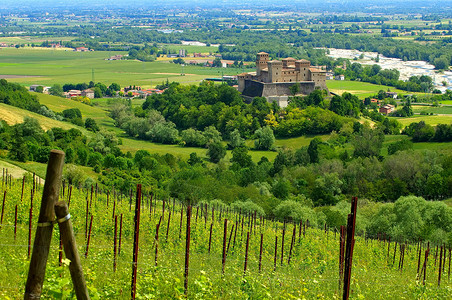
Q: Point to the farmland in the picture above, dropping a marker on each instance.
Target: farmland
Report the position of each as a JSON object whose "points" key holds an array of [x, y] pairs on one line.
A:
{"points": [[47, 67], [306, 265]]}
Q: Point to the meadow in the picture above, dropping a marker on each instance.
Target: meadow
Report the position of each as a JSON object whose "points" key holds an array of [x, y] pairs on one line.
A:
{"points": [[47, 67], [305, 265], [358, 88]]}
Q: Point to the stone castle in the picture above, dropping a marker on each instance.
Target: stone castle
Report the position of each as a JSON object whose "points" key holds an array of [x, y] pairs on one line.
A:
{"points": [[273, 79]]}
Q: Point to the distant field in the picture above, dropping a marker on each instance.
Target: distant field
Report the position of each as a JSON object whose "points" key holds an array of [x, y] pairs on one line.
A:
{"points": [[52, 66], [191, 49], [433, 109], [432, 120], [358, 88], [448, 102]]}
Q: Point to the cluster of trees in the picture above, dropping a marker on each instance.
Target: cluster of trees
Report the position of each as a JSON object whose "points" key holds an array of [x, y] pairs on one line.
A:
{"points": [[28, 141], [310, 182], [375, 74], [16, 95], [195, 108], [422, 132], [100, 89]]}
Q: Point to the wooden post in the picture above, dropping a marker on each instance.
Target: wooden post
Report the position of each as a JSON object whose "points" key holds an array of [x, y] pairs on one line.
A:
{"points": [[3, 207], [230, 237], [210, 235], [276, 253], [114, 243], [282, 242], [135, 242], [291, 244], [246, 252], [15, 222], [89, 236], [157, 240], [23, 186], [349, 248], [440, 265], [30, 218], [187, 250], [260, 252], [341, 255], [120, 235], [180, 223], [44, 230], [225, 232], [168, 227], [70, 249]]}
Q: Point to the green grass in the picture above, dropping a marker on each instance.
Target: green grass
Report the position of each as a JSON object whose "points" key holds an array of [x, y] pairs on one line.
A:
{"points": [[13, 115], [433, 109], [431, 120], [58, 66], [358, 88], [311, 274]]}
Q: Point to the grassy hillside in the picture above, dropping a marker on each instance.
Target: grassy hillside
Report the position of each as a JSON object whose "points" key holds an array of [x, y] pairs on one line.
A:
{"points": [[13, 115]]}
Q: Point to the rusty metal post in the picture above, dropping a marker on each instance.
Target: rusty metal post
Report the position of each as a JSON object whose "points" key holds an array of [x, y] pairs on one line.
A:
{"points": [[135, 242], [187, 250]]}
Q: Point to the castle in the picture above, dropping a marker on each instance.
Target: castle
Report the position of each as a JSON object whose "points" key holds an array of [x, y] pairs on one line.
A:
{"points": [[273, 79]]}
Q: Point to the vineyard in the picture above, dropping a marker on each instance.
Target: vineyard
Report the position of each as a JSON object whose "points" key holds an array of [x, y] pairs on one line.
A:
{"points": [[233, 254]]}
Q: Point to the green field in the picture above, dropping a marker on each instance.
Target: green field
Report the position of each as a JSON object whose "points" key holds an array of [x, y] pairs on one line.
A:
{"points": [[432, 120], [43, 66], [358, 88], [432, 109]]}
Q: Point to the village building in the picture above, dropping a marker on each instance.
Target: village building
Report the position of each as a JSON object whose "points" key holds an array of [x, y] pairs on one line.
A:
{"points": [[88, 93], [274, 79], [386, 109]]}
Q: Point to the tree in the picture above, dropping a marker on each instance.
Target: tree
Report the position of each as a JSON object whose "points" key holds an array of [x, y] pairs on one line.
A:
{"points": [[216, 151], [241, 158], [235, 139], [368, 142], [39, 89], [91, 125], [217, 63], [265, 138], [313, 150], [56, 90]]}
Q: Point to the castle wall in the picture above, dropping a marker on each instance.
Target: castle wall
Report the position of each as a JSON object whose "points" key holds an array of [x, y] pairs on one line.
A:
{"points": [[259, 89]]}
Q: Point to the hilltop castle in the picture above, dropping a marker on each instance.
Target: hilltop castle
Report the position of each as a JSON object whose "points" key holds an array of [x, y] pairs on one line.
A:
{"points": [[273, 79]]}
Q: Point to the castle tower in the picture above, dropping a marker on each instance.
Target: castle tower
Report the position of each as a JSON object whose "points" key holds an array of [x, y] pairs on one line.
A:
{"points": [[261, 62], [302, 66], [275, 71]]}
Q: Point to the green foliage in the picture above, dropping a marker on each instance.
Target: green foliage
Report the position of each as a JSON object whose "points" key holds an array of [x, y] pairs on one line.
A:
{"points": [[216, 151], [290, 210], [265, 138], [368, 142]]}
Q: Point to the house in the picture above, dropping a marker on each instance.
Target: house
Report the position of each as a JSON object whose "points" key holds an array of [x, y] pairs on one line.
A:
{"points": [[45, 89], [73, 93], [339, 77], [392, 95], [329, 76], [81, 49], [88, 93], [386, 109]]}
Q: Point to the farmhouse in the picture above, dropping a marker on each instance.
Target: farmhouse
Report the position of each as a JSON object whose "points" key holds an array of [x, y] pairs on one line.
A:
{"points": [[88, 93], [386, 109], [275, 78]]}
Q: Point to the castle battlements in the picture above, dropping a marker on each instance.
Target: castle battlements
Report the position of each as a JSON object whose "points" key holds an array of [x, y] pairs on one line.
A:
{"points": [[274, 77]]}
